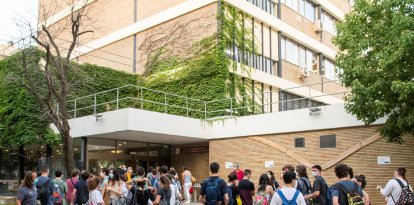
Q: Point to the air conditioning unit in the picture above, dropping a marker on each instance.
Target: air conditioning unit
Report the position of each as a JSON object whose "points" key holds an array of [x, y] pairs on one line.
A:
{"points": [[318, 27], [303, 72]]}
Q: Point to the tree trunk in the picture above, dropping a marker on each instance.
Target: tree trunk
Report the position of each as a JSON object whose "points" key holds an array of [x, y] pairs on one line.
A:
{"points": [[68, 152]]}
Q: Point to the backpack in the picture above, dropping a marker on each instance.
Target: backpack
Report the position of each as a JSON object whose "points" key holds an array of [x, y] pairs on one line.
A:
{"points": [[57, 195], [351, 198], [230, 193], [124, 200], [308, 188], [328, 196], [213, 195], [260, 199], [288, 202], [43, 192], [407, 196]]}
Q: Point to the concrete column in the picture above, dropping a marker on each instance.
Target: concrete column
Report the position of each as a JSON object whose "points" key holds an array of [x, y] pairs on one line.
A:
{"points": [[83, 154]]}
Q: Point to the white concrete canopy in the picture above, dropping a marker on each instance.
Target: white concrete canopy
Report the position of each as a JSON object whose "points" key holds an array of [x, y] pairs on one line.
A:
{"points": [[146, 126]]}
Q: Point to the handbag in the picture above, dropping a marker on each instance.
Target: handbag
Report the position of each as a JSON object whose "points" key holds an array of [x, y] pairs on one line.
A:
{"points": [[191, 190]]}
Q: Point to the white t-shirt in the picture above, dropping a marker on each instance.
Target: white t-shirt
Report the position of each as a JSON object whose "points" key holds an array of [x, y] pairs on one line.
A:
{"points": [[95, 197], [173, 192], [288, 193]]}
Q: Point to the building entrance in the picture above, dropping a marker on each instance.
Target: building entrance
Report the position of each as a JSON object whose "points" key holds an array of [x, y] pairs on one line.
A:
{"points": [[114, 153]]}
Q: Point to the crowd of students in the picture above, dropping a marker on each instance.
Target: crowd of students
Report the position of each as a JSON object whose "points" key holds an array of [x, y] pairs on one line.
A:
{"points": [[120, 186], [296, 188], [162, 185]]}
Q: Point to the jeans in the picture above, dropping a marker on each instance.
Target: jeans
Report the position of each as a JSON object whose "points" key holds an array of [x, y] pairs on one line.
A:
{"points": [[187, 194]]}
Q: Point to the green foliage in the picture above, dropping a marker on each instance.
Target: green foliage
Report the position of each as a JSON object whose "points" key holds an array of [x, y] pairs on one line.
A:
{"points": [[21, 119], [377, 56], [205, 75]]}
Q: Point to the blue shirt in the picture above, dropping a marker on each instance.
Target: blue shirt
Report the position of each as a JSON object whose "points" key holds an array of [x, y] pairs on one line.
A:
{"points": [[349, 185], [27, 196]]}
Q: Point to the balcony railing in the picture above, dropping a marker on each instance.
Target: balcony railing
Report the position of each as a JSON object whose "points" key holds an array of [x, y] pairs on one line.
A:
{"points": [[132, 96]]}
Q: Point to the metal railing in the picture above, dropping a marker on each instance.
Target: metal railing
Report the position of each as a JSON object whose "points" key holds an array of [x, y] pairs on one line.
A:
{"points": [[132, 96]]}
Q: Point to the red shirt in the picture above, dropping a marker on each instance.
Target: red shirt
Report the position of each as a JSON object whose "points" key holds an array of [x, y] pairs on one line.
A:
{"points": [[239, 174], [71, 185]]}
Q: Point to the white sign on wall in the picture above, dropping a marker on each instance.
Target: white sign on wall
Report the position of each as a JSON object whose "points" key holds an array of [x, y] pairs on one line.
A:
{"points": [[228, 165], [383, 160], [269, 164]]}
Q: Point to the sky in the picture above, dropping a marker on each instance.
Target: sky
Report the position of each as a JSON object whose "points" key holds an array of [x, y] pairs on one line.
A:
{"points": [[12, 13]]}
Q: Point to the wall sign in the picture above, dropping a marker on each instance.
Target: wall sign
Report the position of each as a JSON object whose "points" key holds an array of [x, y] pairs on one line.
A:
{"points": [[186, 150], [383, 160], [269, 164], [228, 165]]}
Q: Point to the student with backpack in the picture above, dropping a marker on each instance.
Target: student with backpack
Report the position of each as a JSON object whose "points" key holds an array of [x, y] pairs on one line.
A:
{"points": [[345, 191], [214, 189], [71, 185], [288, 195], [363, 183], [304, 182], [165, 192], [140, 194], [80, 193], [320, 195], [60, 189], [264, 191], [44, 187], [398, 191]]}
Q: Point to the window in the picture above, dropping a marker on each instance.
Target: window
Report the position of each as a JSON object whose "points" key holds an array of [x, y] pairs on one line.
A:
{"points": [[298, 55], [290, 101], [328, 23], [309, 10], [329, 68], [327, 141], [299, 142], [265, 5], [304, 7], [254, 60]]}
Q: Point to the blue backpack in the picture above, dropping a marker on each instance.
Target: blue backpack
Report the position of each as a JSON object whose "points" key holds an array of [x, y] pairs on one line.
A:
{"points": [[288, 202], [213, 195]]}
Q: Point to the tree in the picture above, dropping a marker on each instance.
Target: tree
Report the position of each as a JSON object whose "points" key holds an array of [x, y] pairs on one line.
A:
{"points": [[376, 43], [52, 92]]}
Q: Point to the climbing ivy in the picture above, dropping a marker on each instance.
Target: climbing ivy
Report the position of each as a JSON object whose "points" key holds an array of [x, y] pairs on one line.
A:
{"points": [[208, 75], [21, 120]]}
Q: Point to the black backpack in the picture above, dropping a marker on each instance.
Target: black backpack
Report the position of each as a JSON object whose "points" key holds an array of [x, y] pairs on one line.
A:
{"points": [[43, 192]]}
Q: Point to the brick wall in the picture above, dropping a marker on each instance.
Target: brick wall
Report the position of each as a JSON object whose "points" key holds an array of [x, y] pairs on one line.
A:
{"points": [[197, 163], [251, 154]]}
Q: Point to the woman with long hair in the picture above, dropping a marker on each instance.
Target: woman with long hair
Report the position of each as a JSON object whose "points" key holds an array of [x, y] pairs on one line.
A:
{"points": [[27, 194], [164, 193], [273, 182], [304, 182], [113, 187], [363, 183], [265, 187], [393, 188], [139, 193]]}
